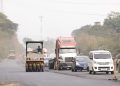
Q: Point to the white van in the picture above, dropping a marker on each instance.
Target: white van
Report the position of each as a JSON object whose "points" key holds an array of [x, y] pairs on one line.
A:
{"points": [[101, 61]]}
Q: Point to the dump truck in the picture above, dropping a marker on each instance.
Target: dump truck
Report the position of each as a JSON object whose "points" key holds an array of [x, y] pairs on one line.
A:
{"points": [[65, 51], [34, 56]]}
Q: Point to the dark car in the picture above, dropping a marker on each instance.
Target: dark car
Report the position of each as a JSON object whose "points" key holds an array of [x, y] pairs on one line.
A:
{"points": [[80, 63]]}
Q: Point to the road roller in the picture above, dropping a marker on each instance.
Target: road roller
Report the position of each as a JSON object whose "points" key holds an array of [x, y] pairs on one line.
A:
{"points": [[34, 56]]}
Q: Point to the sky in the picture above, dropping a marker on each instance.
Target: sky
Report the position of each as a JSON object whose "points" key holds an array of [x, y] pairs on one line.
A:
{"points": [[43, 19]]}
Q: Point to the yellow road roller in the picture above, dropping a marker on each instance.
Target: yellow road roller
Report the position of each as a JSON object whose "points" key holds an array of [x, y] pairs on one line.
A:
{"points": [[34, 56]]}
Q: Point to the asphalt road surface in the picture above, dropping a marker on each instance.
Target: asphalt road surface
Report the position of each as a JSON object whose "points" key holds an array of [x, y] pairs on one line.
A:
{"points": [[12, 71], [86, 75]]}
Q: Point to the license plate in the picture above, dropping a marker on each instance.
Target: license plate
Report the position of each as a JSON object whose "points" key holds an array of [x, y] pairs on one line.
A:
{"points": [[104, 69]]}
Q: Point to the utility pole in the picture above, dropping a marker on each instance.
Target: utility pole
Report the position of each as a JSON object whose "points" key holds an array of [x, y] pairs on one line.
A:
{"points": [[41, 28]]}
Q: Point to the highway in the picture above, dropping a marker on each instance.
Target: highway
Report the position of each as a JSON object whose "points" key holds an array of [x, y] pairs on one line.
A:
{"points": [[86, 75], [13, 71]]}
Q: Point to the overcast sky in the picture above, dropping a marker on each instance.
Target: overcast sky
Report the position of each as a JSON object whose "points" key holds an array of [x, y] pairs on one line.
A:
{"points": [[59, 17]]}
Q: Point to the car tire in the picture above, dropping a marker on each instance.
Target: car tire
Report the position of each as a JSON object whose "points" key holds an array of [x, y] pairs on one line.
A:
{"points": [[112, 72], [94, 72], [107, 72]]}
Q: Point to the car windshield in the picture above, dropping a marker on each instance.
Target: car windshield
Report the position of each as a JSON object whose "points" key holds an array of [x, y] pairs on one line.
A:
{"points": [[102, 56], [71, 50], [34, 45], [82, 59]]}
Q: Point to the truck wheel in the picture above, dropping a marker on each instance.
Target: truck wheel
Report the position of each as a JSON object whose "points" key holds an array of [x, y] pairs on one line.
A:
{"points": [[75, 70], [94, 72], [34, 67], [30, 67], [38, 67], [90, 72], [42, 69], [72, 70], [60, 68], [26, 69]]}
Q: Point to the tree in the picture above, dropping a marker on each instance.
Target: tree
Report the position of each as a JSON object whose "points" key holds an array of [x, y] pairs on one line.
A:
{"points": [[106, 36], [113, 21], [6, 24]]}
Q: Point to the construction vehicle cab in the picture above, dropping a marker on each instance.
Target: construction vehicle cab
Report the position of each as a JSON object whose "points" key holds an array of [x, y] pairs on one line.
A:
{"points": [[34, 56]]}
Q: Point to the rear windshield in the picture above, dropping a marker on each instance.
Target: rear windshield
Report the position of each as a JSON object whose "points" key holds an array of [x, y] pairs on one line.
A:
{"points": [[83, 59], [102, 56]]}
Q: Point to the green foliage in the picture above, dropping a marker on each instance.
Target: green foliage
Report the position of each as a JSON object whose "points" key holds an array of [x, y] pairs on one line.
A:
{"points": [[106, 36], [113, 21]]}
